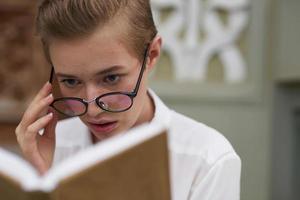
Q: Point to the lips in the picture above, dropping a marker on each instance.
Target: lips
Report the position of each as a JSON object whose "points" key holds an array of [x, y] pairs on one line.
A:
{"points": [[103, 127]]}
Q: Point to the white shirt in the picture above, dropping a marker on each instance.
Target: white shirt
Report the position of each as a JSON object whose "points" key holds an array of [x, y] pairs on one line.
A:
{"points": [[203, 164]]}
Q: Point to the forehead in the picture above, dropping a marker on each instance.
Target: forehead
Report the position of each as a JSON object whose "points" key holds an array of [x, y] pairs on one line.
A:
{"points": [[103, 48]]}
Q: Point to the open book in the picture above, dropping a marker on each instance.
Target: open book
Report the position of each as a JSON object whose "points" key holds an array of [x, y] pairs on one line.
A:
{"points": [[130, 166]]}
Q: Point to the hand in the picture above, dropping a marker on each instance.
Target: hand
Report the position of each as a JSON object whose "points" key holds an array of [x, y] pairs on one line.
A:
{"points": [[38, 149]]}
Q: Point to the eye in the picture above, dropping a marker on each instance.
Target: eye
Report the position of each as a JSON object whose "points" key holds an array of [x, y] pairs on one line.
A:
{"points": [[112, 79], [70, 83]]}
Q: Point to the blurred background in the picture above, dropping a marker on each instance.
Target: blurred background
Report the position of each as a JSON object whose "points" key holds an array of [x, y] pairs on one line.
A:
{"points": [[231, 64]]}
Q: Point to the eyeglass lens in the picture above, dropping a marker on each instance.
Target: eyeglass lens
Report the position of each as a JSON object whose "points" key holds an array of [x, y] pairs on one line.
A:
{"points": [[70, 107], [111, 102], [115, 102]]}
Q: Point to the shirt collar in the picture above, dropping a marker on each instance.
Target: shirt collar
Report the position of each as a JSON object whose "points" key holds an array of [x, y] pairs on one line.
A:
{"points": [[161, 112]]}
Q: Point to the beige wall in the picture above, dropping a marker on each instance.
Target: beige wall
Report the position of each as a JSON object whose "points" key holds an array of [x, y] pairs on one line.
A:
{"points": [[248, 125], [286, 40]]}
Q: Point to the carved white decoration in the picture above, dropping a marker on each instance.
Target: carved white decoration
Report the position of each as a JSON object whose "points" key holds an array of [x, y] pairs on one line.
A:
{"points": [[190, 55]]}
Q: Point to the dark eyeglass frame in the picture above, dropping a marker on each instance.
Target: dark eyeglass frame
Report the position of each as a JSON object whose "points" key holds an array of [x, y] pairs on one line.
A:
{"points": [[131, 95]]}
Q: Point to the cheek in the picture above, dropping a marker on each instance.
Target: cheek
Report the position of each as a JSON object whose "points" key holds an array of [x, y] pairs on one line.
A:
{"points": [[66, 92], [139, 102], [128, 84], [62, 90], [133, 114]]}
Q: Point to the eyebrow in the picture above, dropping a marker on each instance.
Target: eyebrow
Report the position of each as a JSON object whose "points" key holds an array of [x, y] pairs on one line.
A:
{"points": [[102, 72], [110, 69]]}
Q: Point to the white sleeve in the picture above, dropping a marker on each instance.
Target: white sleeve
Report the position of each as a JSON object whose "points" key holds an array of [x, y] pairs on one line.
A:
{"points": [[222, 182]]}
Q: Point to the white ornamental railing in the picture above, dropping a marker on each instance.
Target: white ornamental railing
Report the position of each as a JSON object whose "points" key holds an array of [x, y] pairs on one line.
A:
{"points": [[190, 54]]}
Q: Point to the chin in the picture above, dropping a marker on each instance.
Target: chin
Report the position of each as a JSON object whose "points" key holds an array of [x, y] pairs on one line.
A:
{"points": [[100, 137]]}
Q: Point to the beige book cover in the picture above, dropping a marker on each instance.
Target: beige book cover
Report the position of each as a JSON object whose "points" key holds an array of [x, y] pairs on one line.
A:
{"points": [[131, 166]]}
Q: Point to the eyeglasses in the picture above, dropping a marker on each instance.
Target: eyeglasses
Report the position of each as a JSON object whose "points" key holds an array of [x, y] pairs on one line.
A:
{"points": [[111, 102]]}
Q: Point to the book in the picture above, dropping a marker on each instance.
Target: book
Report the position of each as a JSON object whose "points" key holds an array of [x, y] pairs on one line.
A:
{"points": [[130, 166]]}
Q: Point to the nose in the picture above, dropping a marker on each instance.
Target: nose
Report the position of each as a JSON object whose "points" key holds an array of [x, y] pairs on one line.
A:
{"points": [[93, 109]]}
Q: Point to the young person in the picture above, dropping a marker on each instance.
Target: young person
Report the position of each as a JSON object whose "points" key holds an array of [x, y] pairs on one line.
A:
{"points": [[102, 52]]}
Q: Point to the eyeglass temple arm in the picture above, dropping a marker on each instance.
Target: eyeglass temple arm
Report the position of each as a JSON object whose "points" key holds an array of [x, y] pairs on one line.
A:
{"points": [[51, 74], [142, 70]]}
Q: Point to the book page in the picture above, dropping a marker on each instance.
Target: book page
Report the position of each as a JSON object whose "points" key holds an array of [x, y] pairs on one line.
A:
{"points": [[99, 152], [18, 169]]}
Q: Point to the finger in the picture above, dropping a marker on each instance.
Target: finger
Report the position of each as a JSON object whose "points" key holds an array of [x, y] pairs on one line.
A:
{"points": [[33, 129], [28, 141], [50, 128], [44, 91], [36, 111]]}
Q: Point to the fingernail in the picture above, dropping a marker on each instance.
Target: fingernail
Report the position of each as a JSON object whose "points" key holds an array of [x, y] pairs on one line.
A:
{"points": [[50, 114], [48, 84], [50, 96]]}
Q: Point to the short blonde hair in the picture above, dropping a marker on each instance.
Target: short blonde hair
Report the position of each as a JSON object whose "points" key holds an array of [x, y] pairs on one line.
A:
{"points": [[70, 19]]}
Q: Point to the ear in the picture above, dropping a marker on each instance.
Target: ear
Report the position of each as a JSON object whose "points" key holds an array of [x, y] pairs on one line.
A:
{"points": [[154, 52]]}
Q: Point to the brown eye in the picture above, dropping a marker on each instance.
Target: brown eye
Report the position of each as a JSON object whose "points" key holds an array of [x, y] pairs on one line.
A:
{"points": [[112, 79], [70, 83]]}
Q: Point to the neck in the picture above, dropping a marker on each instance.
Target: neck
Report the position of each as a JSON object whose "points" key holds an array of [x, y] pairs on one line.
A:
{"points": [[147, 112]]}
